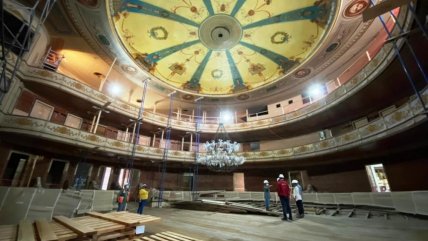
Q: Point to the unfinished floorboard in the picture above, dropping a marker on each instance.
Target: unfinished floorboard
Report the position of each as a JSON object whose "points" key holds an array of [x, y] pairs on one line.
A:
{"points": [[25, 231], [203, 225], [75, 226], [44, 230]]}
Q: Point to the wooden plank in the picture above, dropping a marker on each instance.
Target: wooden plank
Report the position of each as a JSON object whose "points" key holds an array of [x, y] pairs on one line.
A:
{"points": [[75, 226], [8, 232], [382, 8], [148, 239], [172, 237], [116, 235], [180, 235], [156, 237], [26, 231], [110, 218], [45, 231]]}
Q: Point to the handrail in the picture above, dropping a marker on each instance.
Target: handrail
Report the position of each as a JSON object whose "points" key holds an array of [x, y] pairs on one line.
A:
{"points": [[366, 75], [400, 119]]}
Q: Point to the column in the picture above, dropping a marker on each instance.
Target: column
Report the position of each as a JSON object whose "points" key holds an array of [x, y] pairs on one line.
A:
{"points": [[191, 142], [154, 139]]}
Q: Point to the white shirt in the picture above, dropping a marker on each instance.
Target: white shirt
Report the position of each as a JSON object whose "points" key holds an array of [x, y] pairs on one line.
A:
{"points": [[297, 193]]}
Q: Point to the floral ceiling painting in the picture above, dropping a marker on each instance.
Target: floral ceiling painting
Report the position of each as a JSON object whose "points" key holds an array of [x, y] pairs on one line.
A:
{"points": [[221, 47]]}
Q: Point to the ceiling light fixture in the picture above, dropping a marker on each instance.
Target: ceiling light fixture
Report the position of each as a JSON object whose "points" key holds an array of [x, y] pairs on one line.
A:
{"points": [[221, 152]]}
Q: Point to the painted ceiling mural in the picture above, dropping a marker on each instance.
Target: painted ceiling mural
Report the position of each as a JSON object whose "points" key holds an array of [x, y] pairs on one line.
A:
{"points": [[222, 47]]}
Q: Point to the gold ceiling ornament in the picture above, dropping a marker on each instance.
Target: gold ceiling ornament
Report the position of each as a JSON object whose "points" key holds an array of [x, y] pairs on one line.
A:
{"points": [[222, 47]]}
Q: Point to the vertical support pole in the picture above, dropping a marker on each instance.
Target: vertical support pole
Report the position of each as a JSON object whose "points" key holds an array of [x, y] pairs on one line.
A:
{"points": [[191, 142], [199, 119], [193, 114], [93, 123], [182, 143], [126, 134], [97, 122], [100, 88], [166, 150], [136, 133], [133, 131], [161, 140]]}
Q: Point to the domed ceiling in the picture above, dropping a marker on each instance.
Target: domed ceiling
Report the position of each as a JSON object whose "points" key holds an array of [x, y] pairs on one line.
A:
{"points": [[221, 47]]}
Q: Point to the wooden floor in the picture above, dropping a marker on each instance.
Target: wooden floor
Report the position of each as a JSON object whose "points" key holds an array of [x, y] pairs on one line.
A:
{"points": [[235, 227]]}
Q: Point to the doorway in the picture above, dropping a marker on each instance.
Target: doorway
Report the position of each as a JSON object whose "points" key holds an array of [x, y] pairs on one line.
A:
{"points": [[14, 169], [56, 173], [81, 176], [377, 178]]}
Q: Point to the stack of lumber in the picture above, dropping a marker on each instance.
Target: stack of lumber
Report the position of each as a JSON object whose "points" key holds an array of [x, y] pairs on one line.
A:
{"points": [[94, 226], [220, 206]]}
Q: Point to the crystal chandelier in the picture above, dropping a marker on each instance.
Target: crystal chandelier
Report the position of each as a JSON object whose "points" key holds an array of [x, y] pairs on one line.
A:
{"points": [[221, 152]]}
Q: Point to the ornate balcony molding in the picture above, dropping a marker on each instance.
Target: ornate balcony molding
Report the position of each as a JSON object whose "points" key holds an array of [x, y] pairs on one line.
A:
{"points": [[401, 119], [382, 60]]}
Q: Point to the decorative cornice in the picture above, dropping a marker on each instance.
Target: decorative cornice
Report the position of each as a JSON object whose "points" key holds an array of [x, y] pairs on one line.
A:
{"points": [[401, 119]]}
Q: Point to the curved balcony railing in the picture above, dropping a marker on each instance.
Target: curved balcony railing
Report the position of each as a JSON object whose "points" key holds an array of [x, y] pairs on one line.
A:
{"points": [[364, 77], [402, 118]]}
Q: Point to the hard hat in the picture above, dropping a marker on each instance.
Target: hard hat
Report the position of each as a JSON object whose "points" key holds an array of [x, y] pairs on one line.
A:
{"points": [[294, 182], [265, 181], [281, 176]]}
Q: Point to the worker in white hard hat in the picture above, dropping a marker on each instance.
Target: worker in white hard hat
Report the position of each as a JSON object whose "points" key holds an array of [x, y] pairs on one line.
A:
{"points": [[266, 191], [298, 196]]}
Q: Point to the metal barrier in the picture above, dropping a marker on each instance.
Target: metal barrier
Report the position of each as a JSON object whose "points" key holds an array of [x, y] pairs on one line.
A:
{"points": [[18, 203]]}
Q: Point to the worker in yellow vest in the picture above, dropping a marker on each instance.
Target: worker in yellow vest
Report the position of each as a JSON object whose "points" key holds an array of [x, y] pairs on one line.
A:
{"points": [[143, 196]]}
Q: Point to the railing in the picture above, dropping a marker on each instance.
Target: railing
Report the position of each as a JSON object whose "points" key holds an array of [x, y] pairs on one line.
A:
{"points": [[402, 118], [415, 202], [364, 77]]}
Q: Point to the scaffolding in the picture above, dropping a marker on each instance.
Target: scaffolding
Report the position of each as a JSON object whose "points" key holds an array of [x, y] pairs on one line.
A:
{"points": [[136, 134], [402, 34], [198, 123], [20, 39], [165, 151]]}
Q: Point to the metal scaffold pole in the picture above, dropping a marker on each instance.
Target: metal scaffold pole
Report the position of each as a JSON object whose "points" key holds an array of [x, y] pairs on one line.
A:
{"points": [[198, 143], [130, 163], [165, 151], [402, 62], [19, 40]]}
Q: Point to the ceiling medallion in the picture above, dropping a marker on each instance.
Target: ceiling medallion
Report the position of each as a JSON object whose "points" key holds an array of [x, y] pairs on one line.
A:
{"points": [[129, 69], [356, 8], [243, 97], [301, 73], [220, 32], [218, 49], [332, 47], [188, 97]]}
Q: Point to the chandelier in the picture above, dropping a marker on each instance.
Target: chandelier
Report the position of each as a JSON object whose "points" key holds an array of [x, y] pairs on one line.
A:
{"points": [[221, 152]]}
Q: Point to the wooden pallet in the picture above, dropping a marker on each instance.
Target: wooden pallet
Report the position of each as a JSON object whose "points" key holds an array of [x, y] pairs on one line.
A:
{"points": [[8, 232], [95, 227], [163, 236]]}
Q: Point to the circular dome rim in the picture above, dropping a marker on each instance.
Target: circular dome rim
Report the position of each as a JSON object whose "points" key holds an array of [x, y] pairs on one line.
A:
{"points": [[333, 17]]}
